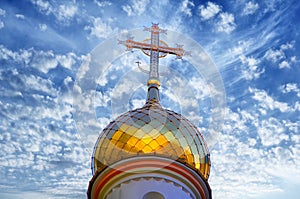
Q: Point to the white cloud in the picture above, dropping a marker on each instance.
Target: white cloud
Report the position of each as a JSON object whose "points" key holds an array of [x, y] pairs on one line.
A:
{"points": [[42, 60], [6, 53], [290, 87], [123, 88], [128, 10], [186, 7], [293, 59], [287, 46], [20, 16], [274, 55], [137, 7], [85, 66], [43, 6], [1, 24], [63, 13], [39, 84], [33, 136], [138, 103], [271, 132], [267, 102], [47, 60], [102, 3], [202, 88], [176, 96], [229, 169], [67, 60], [240, 48], [292, 127], [2, 12], [250, 8], [279, 56], [21, 56], [284, 64], [272, 5], [234, 121], [102, 99], [186, 99], [251, 70], [226, 23], [66, 12], [243, 130], [209, 11], [99, 28], [43, 27]]}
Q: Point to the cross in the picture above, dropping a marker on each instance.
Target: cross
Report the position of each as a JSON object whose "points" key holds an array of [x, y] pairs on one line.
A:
{"points": [[155, 48]]}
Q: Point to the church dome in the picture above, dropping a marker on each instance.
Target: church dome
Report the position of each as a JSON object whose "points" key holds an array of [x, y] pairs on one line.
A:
{"points": [[152, 131]]}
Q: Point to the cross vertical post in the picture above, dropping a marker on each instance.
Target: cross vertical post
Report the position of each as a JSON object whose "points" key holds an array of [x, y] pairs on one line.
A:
{"points": [[154, 53]]}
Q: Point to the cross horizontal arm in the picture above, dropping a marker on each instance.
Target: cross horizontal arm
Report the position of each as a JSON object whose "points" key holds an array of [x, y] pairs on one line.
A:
{"points": [[144, 46], [175, 51], [134, 44]]}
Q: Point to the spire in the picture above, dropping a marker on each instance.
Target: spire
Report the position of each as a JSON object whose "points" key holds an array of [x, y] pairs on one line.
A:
{"points": [[153, 97]]}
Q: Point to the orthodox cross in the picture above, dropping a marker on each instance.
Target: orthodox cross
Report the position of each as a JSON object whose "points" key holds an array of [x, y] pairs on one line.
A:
{"points": [[155, 48]]}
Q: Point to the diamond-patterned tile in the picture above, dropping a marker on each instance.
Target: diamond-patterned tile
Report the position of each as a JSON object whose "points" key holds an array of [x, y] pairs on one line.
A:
{"points": [[156, 131]]}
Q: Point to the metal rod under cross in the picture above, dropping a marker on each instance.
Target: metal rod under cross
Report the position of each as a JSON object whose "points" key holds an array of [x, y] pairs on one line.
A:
{"points": [[154, 50]]}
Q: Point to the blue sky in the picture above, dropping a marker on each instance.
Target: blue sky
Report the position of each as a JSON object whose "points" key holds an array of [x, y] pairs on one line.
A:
{"points": [[46, 48]]}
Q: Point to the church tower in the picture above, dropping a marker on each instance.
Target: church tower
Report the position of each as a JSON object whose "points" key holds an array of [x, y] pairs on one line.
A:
{"points": [[150, 152]]}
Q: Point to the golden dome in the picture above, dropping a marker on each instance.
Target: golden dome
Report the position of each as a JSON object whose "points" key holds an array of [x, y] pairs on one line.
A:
{"points": [[152, 130]]}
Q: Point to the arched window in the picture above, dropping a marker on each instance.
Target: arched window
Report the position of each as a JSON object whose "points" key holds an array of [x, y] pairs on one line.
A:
{"points": [[153, 195]]}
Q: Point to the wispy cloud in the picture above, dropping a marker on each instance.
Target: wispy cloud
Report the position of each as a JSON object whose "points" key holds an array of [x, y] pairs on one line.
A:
{"points": [[186, 7], [2, 14], [136, 7]]}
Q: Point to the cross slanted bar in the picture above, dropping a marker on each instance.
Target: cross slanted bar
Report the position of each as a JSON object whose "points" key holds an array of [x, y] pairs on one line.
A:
{"points": [[154, 50]]}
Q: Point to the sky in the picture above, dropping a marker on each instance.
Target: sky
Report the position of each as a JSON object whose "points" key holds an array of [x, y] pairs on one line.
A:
{"points": [[63, 77]]}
